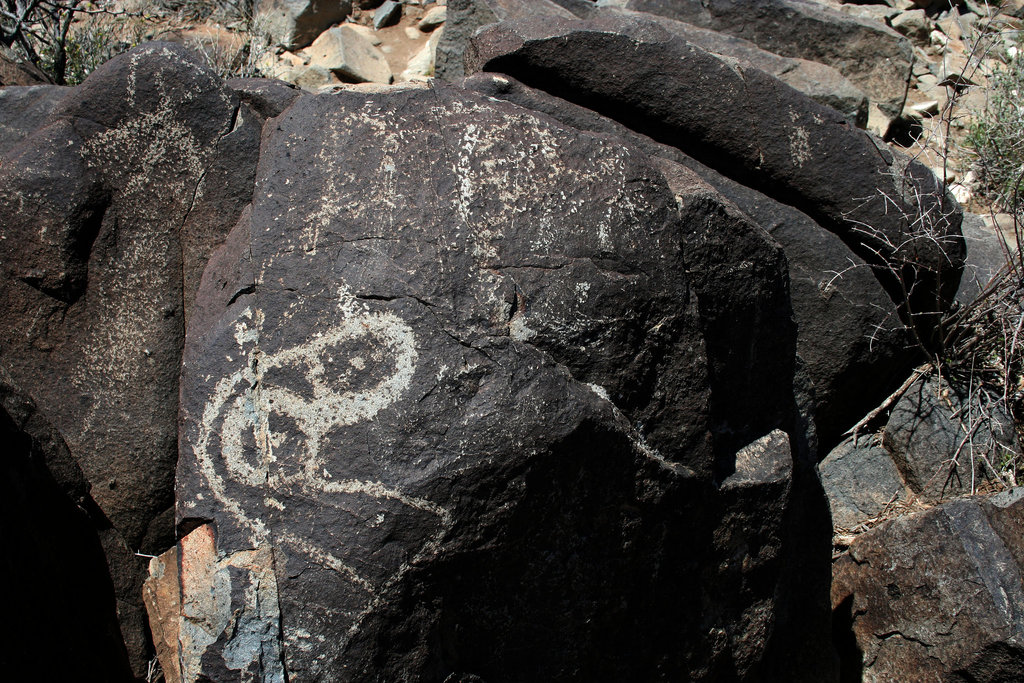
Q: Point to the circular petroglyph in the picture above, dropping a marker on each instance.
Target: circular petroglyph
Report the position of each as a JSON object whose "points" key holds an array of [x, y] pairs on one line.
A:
{"points": [[303, 385]]}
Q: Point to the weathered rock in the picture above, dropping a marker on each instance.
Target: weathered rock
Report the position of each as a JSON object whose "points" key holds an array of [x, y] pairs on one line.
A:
{"points": [[297, 23], [940, 438], [424, 465], [876, 58], [266, 97], [935, 596], [914, 24], [985, 257], [422, 63], [464, 17], [63, 608], [860, 481], [387, 14], [350, 55], [109, 214], [23, 110], [852, 347], [820, 82], [432, 18], [749, 126], [738, 273], [162, 595], [16, 71]]}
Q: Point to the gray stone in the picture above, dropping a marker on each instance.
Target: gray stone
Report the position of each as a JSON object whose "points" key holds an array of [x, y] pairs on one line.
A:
{"points": [[934, 596], [432, 18], [387, 14], [860, 481], [349, 55], [266, 97], [914, 24], [939, 435], [820, 82], [877, 59], [294, 24], [464, 17], [985, 257]]}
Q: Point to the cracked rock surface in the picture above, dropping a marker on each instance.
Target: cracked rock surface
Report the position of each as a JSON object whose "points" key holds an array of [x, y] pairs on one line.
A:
{"points": [[456, 422], [935, 596]]}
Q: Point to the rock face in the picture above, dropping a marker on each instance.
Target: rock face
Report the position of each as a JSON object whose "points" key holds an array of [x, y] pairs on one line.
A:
{"points": [[937, 437], [23, 110], [876, 58], [935, 596], [464, 17], [109, 214], [820, 82], [471, 406], [891, 209], [296, 23], [860, 482], [349, 55], [62, 603], [851, 346]]}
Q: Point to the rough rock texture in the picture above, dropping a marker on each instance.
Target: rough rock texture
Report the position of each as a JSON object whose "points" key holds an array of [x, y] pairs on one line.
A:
{"points": [[471, 406], [23, 110], [937, 436], [985, 257], [296, 23], [876, 58], [15, 71], [109, 214], [860, 481], [748, 126], [350, 55], [738, 273], [266, 97], [935, 596], [820, 82], [852, 348], [466, 16], [63, 612], [162, 595]]}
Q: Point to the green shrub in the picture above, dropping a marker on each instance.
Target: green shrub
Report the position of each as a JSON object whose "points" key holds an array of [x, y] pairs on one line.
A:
{"points": [[997, 136]]}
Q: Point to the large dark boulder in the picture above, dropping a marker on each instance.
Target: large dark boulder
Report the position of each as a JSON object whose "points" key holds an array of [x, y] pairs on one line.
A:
{"points": [[464, 17], [109, 214], [852, 348], [820, 82], [875, 57], [25, 109], [749, 126], [935, 596], [61, 600], [452, 419]]}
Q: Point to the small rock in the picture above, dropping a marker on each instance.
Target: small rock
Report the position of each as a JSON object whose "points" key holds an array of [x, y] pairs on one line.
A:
{"points": [[163, 606], [311, 77], [366, 32], [422, 63], [350, 55], [914, 24], [935, 596], [859, 481], [936, 437], [432, 18], [387, 14], [413, 33]]}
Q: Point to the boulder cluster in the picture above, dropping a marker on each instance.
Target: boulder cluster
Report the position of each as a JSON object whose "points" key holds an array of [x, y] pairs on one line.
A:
{"points": [[519, 373]]}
